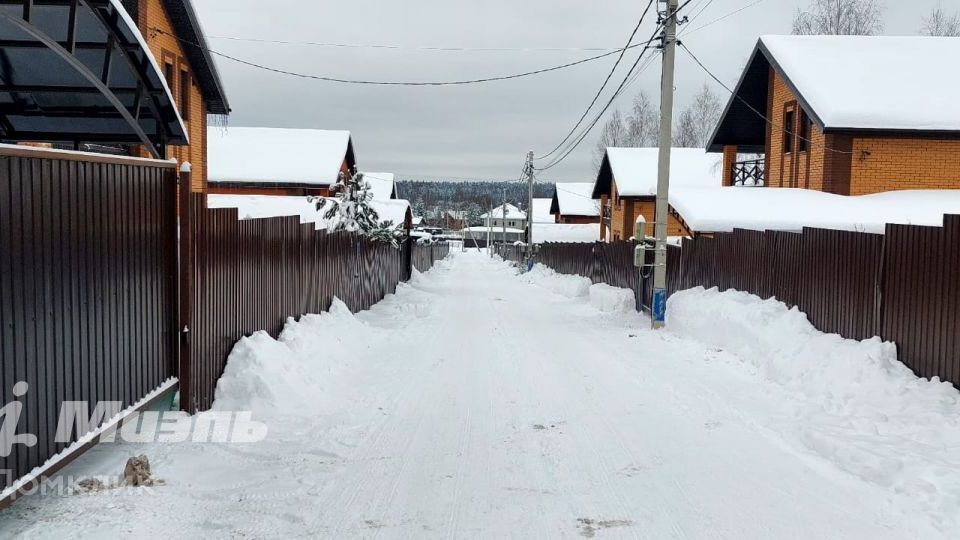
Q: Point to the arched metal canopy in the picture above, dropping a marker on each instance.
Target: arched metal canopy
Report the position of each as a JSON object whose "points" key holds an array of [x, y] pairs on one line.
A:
{"points": [[80, 71]]}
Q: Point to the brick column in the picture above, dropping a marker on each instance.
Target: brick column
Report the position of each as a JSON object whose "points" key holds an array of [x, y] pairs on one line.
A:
{"points": [[729, 160]]}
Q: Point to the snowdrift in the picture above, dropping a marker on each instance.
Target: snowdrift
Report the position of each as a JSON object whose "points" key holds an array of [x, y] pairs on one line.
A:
{"points": [[562, 284], [288, 375], [850, 402]]}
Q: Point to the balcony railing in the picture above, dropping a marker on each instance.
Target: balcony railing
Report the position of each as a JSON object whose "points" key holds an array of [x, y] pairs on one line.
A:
{"points": [[749, 173]]}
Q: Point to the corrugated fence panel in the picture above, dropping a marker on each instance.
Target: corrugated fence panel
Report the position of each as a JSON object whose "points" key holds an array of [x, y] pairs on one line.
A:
{"points": [[87, 289], [252, 275]]}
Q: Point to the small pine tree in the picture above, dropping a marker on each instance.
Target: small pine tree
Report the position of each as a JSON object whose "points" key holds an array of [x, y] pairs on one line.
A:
{"points": [[349, 210]]}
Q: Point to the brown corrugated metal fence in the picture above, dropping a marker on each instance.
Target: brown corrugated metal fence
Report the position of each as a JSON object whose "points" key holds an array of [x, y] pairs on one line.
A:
{"points": [[902, 286], [87, 287], [251, 275]]}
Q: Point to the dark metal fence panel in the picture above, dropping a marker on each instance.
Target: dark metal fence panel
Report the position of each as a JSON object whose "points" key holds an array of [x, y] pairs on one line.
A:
{"points": [[251, 275], [87, 288], [840, 276], [921, 298]]}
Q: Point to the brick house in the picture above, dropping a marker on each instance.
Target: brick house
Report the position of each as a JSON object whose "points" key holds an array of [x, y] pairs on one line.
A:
{"points": [[274, 161], [848, 115], [627, 186], [171, 29], [573, 203]]}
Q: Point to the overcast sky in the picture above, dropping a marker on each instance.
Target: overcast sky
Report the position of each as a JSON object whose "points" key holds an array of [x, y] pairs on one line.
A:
{"points": [[479, 131]]}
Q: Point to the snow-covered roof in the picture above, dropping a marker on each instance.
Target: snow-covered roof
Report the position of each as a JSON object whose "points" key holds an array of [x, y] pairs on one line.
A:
{"points": [[277, 156], [512, 213], [382, 184], [480, 229], [873, 82], [393, 210], [267, 206], [575, 199], [557, 232], [789, 209], [635, 170], [541, 211]]}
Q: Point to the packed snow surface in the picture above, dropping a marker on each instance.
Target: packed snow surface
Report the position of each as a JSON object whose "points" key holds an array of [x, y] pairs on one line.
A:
{"points": [[276, 156], [479, 403], [636, 170], [723, 209], [873, 82], [576, 199]]}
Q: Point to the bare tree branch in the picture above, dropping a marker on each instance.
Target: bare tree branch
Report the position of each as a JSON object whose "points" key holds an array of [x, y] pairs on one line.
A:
{"points": [[941, 23], [840, 17]]}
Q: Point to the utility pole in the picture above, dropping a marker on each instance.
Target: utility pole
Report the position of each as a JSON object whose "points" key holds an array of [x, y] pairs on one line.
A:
{"points": [[529, 208], [669, 36], [490, 230], [504, 207]]}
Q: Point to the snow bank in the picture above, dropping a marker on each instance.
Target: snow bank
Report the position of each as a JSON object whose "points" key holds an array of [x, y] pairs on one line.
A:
{"points": [[288, 375], [850, 402], [562, 284], [609, 299]]}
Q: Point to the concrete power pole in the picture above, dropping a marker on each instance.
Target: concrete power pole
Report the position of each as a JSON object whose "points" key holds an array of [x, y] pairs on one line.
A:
{"points": [[659, 307], [490, 230], [504, 207], [529, 208]]}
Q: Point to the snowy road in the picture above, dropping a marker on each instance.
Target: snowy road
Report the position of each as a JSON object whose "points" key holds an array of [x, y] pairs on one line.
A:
{"points": [[475, 405]]}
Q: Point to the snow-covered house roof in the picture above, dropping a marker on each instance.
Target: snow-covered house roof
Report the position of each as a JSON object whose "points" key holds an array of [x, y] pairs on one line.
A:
{"points": [[848, 83], [558, 232], [382, 184], [272, 156], [635, 171], [541, 211], [790, 209], [574, 199], [512, 213], [267, 206]]}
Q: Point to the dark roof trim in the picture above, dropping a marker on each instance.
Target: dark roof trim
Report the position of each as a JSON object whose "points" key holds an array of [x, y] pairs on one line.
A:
{"points": [[555, 204], [187, 27], [604, 178]]}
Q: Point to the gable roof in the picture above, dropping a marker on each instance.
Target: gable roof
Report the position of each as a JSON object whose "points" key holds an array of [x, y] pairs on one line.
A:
{"points": [[574, 199], [187, 27], [848, 83], [382, 184], [512, 213], [636, 170], [541, 211], [302, 157]]}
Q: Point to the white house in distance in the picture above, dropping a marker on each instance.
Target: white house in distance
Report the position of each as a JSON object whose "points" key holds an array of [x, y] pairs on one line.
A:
{"points": [[507, 215], [275, 161]]}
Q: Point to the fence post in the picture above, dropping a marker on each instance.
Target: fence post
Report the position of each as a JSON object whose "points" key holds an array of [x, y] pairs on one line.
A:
{"points": [[185, 326]]}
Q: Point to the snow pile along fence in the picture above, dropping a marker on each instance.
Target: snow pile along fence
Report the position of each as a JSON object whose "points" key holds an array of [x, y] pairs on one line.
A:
{"points": [[250, 275], [901, 285]]}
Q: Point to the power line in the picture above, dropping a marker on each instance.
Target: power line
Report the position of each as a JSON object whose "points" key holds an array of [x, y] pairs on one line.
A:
{"points": [[731, 14], [412, 48], [615, 95], [387, 83], [753, 109], [604, 85]]}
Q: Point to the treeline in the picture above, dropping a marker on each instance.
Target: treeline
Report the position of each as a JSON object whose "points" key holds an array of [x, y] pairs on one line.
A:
{"points": [[431, 199]]}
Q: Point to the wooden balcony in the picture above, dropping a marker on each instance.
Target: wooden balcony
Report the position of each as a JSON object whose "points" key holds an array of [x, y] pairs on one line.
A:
{"points": [[750, 173]]}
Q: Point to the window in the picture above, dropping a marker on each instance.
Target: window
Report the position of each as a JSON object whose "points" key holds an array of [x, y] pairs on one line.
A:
{"points": [[184, 95], [804, 131], [168, 74], [789, 128]]}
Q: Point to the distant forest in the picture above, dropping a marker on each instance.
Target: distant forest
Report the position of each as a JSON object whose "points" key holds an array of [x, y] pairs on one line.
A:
{"points": [[431, 199]]}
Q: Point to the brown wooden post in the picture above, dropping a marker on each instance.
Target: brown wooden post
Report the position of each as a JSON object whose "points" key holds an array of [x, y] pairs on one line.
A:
{"points": [[187, 233], [729, 161]]}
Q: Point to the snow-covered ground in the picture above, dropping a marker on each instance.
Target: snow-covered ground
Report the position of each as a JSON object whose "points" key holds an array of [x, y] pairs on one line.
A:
{"points": [[478, 404]]}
